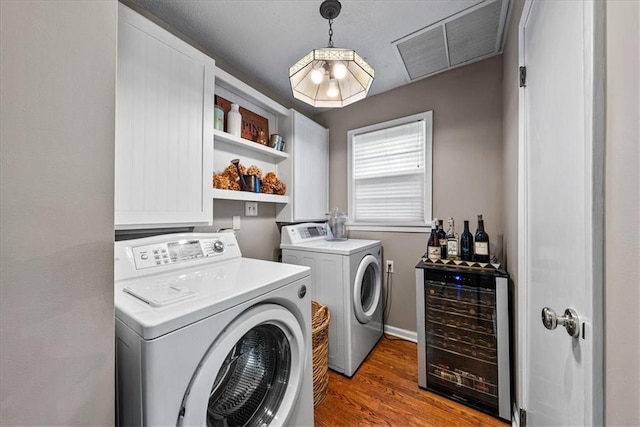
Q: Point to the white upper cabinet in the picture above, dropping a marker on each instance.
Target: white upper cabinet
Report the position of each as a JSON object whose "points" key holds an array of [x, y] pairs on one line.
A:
{"points": [[306, 171], [164, 128]]}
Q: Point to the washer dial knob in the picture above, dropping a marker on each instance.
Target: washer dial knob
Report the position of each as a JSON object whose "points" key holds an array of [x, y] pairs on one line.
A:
{"points": [[218, 246]]}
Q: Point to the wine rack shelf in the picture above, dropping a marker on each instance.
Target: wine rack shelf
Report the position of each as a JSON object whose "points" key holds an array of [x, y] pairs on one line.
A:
{"points": [[461, 264], [464, 379]]}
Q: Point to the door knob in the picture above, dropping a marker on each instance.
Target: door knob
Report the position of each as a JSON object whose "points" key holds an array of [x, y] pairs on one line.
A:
{"points": [[570, 321]]}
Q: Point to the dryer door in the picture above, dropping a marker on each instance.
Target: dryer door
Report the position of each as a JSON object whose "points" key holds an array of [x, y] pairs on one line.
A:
{"points": [[367, 289], [251, 374]]}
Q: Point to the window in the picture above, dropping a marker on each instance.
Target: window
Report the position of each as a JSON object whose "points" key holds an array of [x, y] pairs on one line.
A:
{"points": [[390, 175]]}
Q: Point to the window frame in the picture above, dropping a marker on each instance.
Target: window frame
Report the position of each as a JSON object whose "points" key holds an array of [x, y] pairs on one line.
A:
{"points": [[425, 225]]}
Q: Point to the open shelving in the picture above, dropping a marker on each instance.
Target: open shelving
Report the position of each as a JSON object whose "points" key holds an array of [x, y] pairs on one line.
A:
{"points": [[227, 146]]}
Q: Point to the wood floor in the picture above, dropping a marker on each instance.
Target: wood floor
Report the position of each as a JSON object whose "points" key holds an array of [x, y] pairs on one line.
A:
{"points": [[384, 392]]}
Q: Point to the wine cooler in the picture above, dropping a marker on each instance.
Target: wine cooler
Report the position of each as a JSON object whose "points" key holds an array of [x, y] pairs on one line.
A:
{"points": [[463, 335]]}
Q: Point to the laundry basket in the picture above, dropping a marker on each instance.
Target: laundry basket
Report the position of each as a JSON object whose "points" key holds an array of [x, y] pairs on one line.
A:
{"points": [[320, 333]]}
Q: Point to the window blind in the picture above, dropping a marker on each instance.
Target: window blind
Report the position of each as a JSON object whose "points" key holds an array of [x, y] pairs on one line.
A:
{"points": [[388, 174]]}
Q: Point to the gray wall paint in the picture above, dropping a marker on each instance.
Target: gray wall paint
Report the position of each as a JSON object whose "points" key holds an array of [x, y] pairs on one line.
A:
{"points": [[258, 236], [622, 214], [467, 153], [57, 142]]}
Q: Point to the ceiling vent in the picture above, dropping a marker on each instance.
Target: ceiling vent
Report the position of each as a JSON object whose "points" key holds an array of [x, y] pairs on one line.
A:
{"points": [[469, 36]]}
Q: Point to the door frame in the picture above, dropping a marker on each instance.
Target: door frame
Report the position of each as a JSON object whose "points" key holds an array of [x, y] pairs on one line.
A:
{"points": [[594, 91]]}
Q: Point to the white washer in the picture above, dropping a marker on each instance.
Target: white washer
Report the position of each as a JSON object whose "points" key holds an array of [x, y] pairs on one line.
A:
{"points": [[347, 277], [207, 337]]}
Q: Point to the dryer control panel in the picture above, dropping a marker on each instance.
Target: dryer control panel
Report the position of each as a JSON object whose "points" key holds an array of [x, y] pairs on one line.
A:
{"points": [[307, 232]]}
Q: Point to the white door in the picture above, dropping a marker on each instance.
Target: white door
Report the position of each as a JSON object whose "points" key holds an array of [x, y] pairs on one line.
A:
{"points": [[560, 214]]}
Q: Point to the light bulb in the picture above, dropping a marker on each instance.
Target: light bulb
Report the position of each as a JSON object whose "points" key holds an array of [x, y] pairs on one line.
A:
{"points": [[339, 70], [317, 76], [333, 91]]}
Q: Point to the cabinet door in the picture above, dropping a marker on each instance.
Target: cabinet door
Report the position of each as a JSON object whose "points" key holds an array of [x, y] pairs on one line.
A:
{"points": [[307, 171], [164, 132]]}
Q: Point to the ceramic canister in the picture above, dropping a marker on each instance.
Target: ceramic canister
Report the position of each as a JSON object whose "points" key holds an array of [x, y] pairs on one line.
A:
{"points": [[234, 120]]}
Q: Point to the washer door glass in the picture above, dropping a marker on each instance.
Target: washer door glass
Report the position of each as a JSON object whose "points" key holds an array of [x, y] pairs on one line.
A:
{"points": [[251, 374], [367, 289], [252, 380]]}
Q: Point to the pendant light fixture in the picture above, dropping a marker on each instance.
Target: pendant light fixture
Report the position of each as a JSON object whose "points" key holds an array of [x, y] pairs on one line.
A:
{"points": [[331, 77]]}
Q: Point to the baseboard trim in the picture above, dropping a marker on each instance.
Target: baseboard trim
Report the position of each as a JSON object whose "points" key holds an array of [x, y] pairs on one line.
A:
{"points": [[401, 333]]}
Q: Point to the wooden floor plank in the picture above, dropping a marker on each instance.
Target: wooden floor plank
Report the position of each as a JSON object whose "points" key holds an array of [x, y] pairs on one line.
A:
{"points": [[384, 392]]}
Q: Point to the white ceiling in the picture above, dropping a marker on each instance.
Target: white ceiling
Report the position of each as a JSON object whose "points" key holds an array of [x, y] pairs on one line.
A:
{"points": [[263, 38]]}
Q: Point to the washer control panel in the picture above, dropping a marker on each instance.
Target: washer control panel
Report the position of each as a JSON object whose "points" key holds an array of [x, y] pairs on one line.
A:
{"points": [[171, 252], [177, 251]]}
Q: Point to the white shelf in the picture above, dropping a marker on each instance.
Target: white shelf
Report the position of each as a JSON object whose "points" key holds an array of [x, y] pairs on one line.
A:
{"points": [[248, 196], [227, 138], [231, 83]]}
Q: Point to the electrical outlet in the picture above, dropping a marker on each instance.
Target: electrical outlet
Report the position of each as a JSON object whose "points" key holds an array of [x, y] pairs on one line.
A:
{"points": [[389, 266], [251, 208], [235, 220]]}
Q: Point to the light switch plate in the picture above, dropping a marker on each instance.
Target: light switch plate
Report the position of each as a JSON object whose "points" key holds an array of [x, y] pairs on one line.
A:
{"points": [[251, 208], [235, 220]]}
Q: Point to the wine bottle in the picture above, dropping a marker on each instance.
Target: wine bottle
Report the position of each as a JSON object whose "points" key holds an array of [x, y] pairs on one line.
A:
{"points": [[481, 245], [452, 241], [466, 243], [433, 245], [442, 238]]}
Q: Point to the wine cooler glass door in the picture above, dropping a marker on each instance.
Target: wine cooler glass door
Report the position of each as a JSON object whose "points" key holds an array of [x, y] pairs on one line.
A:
{"points": [[461, 342]]}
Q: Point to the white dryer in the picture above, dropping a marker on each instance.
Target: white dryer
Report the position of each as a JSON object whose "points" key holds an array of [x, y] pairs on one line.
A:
{"points": [[207, 337], [347, 277]]}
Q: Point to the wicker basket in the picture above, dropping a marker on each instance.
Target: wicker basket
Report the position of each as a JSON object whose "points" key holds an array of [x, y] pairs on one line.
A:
{"points": [[320, 333]]}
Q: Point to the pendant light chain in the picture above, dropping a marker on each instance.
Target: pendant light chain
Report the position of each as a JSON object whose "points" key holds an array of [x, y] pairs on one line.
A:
{"points": [[330, 33]]}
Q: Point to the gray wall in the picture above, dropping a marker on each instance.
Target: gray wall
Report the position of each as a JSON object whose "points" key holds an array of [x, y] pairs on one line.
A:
{"points": [[57, 141], [622, 214], [622, 194], [258, 236], [467, 156]]}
